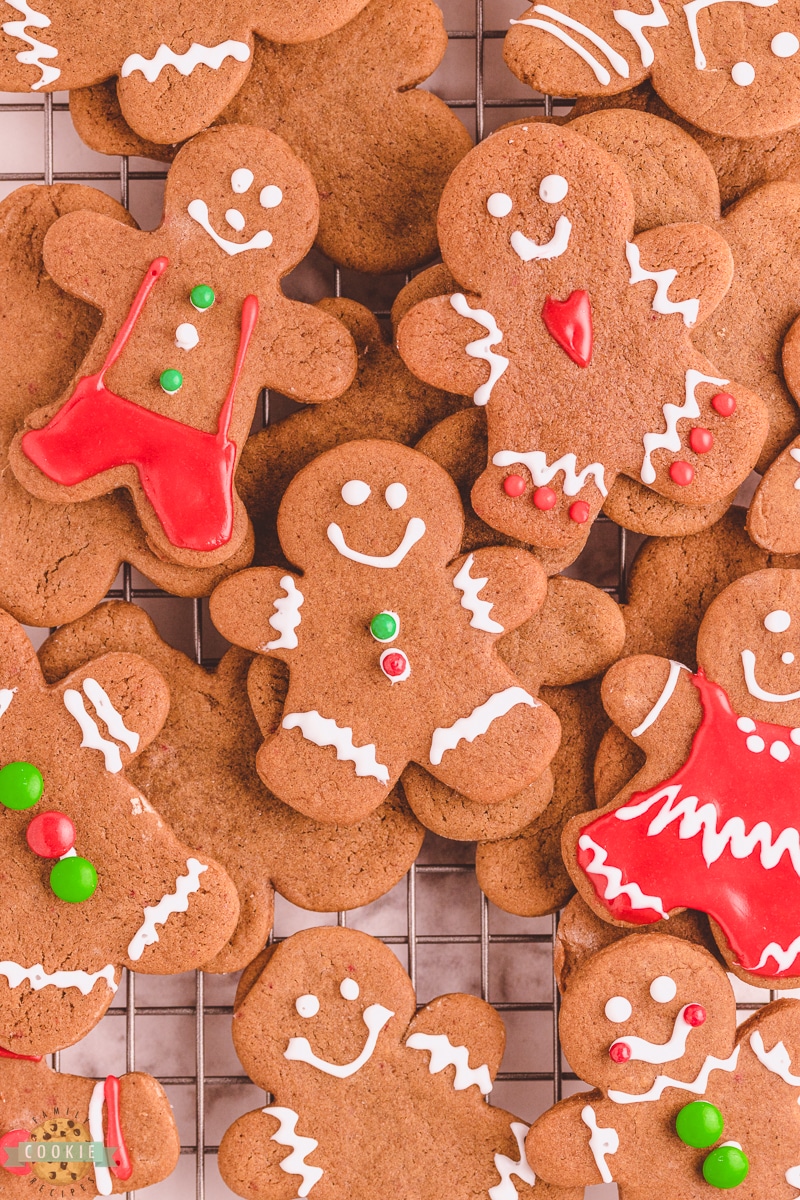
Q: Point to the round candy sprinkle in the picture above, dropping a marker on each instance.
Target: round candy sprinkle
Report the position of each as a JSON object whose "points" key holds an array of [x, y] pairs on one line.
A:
{"points": [[384, 626], [723, 403], [21, 785], [579, 512], [171, 381], [73, 879], [726, 1167], [514, 485], [202, 297], [620, 1052], [701, 440], [681, 473], [544, 498], [394, 664], [695, 1015], [699, 1124], [50, 834]]}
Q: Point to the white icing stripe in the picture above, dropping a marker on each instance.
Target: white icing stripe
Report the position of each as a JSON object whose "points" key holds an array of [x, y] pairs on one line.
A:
{"points": [[670, 439], [795, 454], [295, 1163], [482, 347], [471, 600], [675, 669], [601, 1143], [783, 958], [323, 731], [541, 473], [6, 696], [38, 978], [173, 902], [695, 6], [526, 249], [754, 687], [696, 1086], [38, 50], [198, 211], [444, 1054], [506, 1167], [613, 876], [415, 529], [619, 64], [195, 56], [92, 739], [374, 1017], [109, 715], [601, 74], [478, 721], [102, 1175], [286, 617], [660, 1052], [777, 1060], [634, 23], [663, 281]]}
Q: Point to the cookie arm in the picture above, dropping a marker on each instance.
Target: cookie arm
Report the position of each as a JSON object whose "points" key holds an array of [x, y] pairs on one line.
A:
{"points": [[119, 701], [259, 609], [499, 587], [252, 1161], [700, 259], [772, 519], [83, 252], [311, 357], [558, 1145], [654, 702], [475, 1040], [432, 340]]}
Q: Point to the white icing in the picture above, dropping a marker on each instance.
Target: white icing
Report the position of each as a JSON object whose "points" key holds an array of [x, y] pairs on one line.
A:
{"points": [[270, 196], [6, 696], [663, 281], [235, 219], [482, 347], [109, 715], [755, 744], [661, 1052], [92, 739], [787, 657], [777, 621], [499, 204], [783, 958], [675, 669], [38, 978], [471, 589], [404, 674], [694, 7], [614, 886], [662, 1082], [295, 1163], [172, 902], [396, 495], [374, 1017], [618, 1009], [795, 454], [755, 688], [356, 492], [478, 722], [553, 189], [527, 249], [506, 1167], [444, 1054], [541, 473], [743, 73], [286, 617], [102, 1175], [663, 989], [307, 1006], [634, 23], [779, 751], [777, 1060], [349, 989], [746, 724], [38, 50], [198, 211], [415, 529], [195, 56], [616, 60], [186, 336], [601, 1143], [784, 45], [323, 731], [793, 1176], [670, 439], [241, 180]]}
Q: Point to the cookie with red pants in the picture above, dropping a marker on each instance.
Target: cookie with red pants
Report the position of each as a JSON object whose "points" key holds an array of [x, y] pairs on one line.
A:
{"points": [[650, 1023], [389, 634], [199, 774], [65, 1135], [194, 325], [100, 882], [368, 1094], [585, 375]]}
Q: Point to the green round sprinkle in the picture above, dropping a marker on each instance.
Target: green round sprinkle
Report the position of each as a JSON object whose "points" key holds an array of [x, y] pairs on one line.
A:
{"points": [[383, 627], [21, 785], [202, 297], [699, 1124], [726, 1167], [171, 381], [73, 879]]}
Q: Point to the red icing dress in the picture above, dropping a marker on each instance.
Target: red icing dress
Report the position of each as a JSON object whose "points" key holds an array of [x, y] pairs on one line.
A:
{"points": [[186, 474], [721, 835]]}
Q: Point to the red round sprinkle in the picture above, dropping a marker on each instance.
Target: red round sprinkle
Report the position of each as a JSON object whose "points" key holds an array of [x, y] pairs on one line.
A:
{"points": [[695, 1015], [681, 473], [579, 512], [51, 834], [620, 1052], [544, 498], [514, 485], [394, 663], [701, 440], [724, 403]]}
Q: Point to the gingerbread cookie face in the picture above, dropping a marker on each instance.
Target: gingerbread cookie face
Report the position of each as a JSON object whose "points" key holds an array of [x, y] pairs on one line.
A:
{"points": [[194, 325], [571, 309], [84, 849]]}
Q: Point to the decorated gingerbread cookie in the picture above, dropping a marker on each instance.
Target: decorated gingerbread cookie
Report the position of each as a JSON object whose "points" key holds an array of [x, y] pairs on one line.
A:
{"points": [[200, 775], [572, 307], [650, 1023], [194, 324], [98, 880], [368, 1095], [71, 1138], [774, 517]]}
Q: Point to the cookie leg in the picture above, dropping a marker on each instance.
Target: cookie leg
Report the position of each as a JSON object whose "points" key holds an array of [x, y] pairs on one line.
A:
{"points": [[255, 1154]]}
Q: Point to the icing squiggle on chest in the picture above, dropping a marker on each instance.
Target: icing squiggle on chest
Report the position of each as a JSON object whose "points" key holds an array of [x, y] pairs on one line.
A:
{"points": [[478, 722], [482, 347], [471, 600], [601, 1142], [295, 1163], [195, 56], [506, 1167], [542, 473], [173, 902], [323, 731], [444, 1054], [38, 50]]}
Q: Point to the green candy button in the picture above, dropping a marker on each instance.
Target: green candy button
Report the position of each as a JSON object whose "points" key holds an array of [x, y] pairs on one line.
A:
{"points": [[384, 626], [21, 785], [171, 381], [202, 297], [73, 879], [699, 1124], [726, 1167]]}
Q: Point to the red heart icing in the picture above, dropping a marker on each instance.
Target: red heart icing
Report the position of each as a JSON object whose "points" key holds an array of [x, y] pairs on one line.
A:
{"points": [[569, 323]]}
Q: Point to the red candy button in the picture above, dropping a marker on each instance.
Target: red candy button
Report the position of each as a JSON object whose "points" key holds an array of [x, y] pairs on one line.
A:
{"points": [[394, 664], [695, 1015], [514, 485], [544, 498], [579, 512], [51, 834], [723, 403], [7, 1142], [681, 473], [620, 1052], [701, 440]]}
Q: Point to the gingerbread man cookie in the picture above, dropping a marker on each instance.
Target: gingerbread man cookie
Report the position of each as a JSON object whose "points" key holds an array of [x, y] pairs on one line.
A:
{"points": [[195, 323], [773, 520], [98, 880]]}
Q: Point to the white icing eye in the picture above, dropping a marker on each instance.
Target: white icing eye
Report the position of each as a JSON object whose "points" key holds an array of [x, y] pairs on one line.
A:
{"points": [[396, 495], [241, 180], [553, 189], [307, 1006], [499, 204], [235, 219], [271, 196], [618, 1009], [349, 989], [743, 73], [778, 621], [787, 658], [356, 492], [784, 45], [186, 336], [663, 989]]}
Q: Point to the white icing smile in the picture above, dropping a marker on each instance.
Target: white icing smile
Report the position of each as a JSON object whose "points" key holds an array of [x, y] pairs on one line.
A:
{"points": [[415, 529], [527, 249], [660, 1052], [374, 1017], [198, 211], [755, 688]]}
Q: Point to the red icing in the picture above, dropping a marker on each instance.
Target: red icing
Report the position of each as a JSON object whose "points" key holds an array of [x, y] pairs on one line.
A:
{"points": [[7, 1142], [569, 323], [725, 787], [619, 1052], [723, 403], [121, 1165], [186, 474], [681, 473], [394, 663], [20, 1057], [694, 1015], [579, 512], [50, 834], [544, 498], [514, 485], [701, 440]]}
